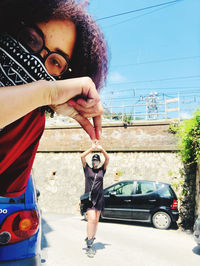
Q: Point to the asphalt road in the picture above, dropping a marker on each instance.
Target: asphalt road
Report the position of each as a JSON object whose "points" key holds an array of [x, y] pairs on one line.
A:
{"points": [[116, 244]]}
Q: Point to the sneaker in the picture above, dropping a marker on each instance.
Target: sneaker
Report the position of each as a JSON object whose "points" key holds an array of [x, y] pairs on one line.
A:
{"points": [[90, 252]]}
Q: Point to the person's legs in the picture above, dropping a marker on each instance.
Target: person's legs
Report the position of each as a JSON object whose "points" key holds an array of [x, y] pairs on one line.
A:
{"points": [[93, 217], [97, 220], [92, 223]]}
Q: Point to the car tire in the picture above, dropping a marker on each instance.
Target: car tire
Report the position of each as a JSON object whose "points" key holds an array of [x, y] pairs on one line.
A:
{"points": [[161, 220]]}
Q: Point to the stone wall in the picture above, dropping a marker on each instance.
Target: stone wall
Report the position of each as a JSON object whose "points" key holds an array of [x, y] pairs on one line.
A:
{"points": [[143, 150], [60, 193]]}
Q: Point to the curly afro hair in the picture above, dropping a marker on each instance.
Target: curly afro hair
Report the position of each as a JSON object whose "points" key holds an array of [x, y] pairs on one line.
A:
{"points": [[90, 52]]}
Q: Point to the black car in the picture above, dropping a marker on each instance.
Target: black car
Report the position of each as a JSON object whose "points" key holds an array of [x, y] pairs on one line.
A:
{"points": [[140, 200]]}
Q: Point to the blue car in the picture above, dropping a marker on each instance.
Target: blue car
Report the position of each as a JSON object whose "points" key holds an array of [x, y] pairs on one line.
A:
{"points": [[20, 229]]}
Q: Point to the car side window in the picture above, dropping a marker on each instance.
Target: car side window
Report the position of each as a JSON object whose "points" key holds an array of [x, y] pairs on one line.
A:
{"points": [[125, 188], [13, 200], [143, 187]]}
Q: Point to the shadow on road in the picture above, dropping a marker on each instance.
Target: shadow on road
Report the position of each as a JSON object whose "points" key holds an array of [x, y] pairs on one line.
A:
{"points": [[196, 250], [98, 246], [45, 230]]}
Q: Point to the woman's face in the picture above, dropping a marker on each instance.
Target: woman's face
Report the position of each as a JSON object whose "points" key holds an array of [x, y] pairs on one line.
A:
{"points": [[95, 163], [59, 35]]}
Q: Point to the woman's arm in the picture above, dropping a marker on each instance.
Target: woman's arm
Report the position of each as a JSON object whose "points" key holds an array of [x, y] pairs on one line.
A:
{"points": [[17, 101], [85, 153], [105, 154]]}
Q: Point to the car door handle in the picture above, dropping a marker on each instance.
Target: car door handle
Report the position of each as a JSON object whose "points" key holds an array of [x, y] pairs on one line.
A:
{"points": [[152, 200], [127, 200]]}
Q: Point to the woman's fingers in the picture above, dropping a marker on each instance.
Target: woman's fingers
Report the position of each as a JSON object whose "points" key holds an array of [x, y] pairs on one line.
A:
{"points": [[85, 111], [97, 127], [79, 99], [93, 131], [89, 103], [86, 125], [82, 104]]}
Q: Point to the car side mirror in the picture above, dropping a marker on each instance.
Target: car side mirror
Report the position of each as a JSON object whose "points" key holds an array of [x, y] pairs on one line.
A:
{"points": [[37, 193], [113, 193]]}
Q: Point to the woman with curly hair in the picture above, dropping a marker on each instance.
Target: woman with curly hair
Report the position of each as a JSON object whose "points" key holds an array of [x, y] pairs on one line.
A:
{"points": [[52, 57]]}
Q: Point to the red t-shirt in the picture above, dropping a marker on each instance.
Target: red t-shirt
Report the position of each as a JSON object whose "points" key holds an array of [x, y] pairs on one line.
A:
{"points": [[18, 145]]}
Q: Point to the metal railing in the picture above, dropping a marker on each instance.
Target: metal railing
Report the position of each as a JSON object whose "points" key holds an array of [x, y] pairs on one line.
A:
{"points": [[143, 111]]}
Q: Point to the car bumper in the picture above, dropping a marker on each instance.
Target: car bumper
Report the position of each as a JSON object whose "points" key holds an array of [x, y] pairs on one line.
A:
{"points": [[196, 233], [33, 261], [197, 237], [175, 216]]}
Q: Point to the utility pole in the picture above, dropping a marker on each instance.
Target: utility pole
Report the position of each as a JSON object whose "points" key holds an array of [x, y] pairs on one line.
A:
{"points": [[152, 105], [134, 103], [112, 92]]}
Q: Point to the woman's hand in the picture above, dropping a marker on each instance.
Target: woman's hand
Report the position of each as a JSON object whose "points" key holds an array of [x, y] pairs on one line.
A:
{"points": [[94, 146], [79, 99], [99, 147]]}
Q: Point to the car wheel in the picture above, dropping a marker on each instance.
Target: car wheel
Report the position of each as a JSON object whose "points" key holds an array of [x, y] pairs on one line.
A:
{"points": [[85, 216], [161, 220]]}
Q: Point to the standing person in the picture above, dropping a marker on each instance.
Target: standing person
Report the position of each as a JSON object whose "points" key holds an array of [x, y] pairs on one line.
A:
{"points": [[94, 183], [52, 57]]}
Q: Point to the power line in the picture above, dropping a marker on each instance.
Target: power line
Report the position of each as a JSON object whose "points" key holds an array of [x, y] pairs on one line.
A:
{"points": [[153, 80], [159, 61], [181, 93], [139, 16], [137, 10], [156, 88]]}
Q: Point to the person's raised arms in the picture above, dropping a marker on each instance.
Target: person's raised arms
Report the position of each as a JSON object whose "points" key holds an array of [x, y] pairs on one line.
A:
{"points": [[85, 153], [105, 154]]}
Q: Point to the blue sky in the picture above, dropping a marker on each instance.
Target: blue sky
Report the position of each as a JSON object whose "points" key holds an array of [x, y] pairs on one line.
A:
{"points": [[154, 50]]}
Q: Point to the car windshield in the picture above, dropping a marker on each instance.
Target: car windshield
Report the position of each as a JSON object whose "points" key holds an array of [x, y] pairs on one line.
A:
{"points": [[12, 200]]}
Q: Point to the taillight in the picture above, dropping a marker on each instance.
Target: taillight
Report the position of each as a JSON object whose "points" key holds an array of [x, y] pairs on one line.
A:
{"points": [[20, 225], [175, 204]]}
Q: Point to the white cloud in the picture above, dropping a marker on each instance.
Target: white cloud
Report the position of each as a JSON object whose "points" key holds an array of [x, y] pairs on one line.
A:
{"points": [[185, 116], [116, 77]]}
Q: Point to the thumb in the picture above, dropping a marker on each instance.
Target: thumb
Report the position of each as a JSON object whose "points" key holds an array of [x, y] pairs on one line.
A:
{"points": [[64, 109]]}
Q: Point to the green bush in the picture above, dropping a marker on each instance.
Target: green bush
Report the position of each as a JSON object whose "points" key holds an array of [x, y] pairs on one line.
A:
{"points": [[188, 133], [189, 139]]}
